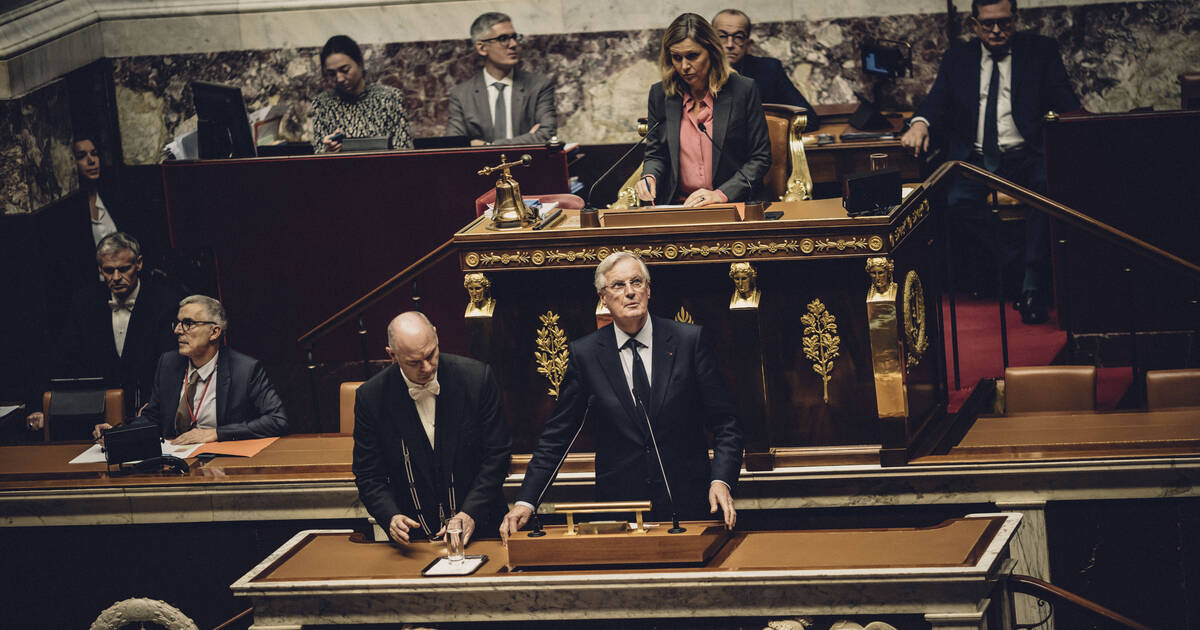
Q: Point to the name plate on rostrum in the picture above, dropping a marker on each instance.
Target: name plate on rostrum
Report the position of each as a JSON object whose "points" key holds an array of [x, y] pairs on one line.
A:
{"points": [[558, 548], [672, 215]]}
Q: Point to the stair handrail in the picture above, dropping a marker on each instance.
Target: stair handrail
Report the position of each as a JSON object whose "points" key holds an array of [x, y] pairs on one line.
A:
{"points": [[1041, 589]]}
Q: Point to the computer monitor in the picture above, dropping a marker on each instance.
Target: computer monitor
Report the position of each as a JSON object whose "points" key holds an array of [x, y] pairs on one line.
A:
{"points": [[223, 130]]}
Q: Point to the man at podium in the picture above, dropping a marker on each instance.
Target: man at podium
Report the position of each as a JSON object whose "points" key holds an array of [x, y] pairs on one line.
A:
{"points": [[708, 140], [652, 387]]}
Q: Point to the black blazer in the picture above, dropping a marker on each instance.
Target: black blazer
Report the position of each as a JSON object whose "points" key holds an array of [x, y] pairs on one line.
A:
{"points": [[740, 128], [687, 396], [247, 405], [1039, 85], [86, 346], [774, 85], [472, 444], [532, 104]]}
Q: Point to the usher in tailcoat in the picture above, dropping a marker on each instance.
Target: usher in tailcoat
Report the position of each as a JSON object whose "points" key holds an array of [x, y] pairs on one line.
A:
{"points": [[472, 452], [687, 396], [739, 127]]}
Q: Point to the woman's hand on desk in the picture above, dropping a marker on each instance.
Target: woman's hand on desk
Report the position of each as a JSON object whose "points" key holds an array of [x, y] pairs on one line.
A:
{"points": [[332, 145], [703, 197], [645, 188]]}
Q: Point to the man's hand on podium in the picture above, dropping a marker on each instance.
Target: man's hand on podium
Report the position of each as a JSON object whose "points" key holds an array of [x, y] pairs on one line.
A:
{"points": [[719, 496], [514, 521], [398, 528]]}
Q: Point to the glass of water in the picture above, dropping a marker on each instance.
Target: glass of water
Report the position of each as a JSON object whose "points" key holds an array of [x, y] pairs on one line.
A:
{"points": [[454, 540]]}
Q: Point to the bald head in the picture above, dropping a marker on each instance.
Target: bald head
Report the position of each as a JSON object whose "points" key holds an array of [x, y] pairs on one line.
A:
{"points": [[413, 345]]}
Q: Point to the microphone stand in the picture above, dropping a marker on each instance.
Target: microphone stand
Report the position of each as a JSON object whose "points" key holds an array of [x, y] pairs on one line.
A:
{"points": [[537, 522], [675, 529], [704, 130], [619, 160]]}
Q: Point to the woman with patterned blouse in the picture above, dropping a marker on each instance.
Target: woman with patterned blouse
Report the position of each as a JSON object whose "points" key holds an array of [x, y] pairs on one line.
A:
{"points": [[355, 108]]}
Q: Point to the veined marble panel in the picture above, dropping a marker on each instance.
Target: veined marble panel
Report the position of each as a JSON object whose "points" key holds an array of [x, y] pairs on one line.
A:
{"points": [[35, 146]]}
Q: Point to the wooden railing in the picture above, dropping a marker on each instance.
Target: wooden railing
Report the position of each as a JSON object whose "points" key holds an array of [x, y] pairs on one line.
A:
{"points": [[1046, 591]]}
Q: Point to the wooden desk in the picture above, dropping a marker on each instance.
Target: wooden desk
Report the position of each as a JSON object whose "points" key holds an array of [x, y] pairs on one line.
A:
{"points": [[829, 163], [949, 573]]}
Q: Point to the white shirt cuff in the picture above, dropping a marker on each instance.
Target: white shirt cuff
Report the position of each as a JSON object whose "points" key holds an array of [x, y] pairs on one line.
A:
{"points": [[720, 482], [917, 119], [526, 504]]}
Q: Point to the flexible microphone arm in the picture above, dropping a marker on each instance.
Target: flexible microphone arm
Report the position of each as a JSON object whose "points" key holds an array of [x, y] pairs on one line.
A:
{"points": [[675, 529], [537, 522], [704, 130], [619, 160]]}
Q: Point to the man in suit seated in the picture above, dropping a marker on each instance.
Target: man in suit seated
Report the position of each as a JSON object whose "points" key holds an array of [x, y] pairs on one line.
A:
{"points": [[116, 329], [774, 86], [503, 104], [680, 395], [430, 439], [203, 392], [987, 105]]}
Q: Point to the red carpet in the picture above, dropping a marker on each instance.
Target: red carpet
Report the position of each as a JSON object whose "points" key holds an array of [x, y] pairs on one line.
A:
{"points": [[980, 356]]}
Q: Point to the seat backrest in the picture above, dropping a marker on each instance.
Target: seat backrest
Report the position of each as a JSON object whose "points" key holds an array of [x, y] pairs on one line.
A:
{"points": [[346, 398], [1172, 388], [114, 410], [1049, 388], [779, 117]]}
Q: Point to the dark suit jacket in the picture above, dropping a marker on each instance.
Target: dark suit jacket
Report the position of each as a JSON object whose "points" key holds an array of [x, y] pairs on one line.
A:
{"points": [[739, 127], [86, 347], [247, 406], [1039, 85], [472, 444], [532, 104], [774, 85], [687, 396]]}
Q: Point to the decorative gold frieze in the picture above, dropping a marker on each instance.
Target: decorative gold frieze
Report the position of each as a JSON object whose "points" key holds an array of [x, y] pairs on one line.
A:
{"points": [[552, 351], [821, 341], [480, 302], [911, 220], [914, 320], [841, 244], [683, 316], [717, 250]]}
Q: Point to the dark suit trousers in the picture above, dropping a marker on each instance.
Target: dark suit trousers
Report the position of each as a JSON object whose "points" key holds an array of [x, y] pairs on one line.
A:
{"points": [[978, 244]]}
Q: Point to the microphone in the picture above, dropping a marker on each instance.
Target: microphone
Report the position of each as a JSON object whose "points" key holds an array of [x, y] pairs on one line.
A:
{"points": [[537, 522], [675, 529], [704, 130], [619, 160]]}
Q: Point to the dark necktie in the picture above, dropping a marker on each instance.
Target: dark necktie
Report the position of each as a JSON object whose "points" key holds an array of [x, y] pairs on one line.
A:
{"points": [[991, 127], [501, 117], [183, 413], [641, 382]]}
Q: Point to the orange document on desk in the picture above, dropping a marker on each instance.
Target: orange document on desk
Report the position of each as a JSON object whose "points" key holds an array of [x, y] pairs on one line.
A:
{"points": [[237, 448]]}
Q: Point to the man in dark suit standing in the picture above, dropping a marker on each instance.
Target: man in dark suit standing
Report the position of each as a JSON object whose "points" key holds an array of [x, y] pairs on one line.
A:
{"points": [[204, 392], [503, 104], [116, 329], [430, 440], [641, 370], [987, 105], [774, 85]]}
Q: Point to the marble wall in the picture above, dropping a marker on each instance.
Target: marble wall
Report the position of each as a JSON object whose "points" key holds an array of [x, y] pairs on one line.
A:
{"points": [[1120, 56], [36, 165]]}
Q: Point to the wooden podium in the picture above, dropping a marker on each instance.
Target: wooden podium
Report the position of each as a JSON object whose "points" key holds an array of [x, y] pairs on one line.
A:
{"points": [[651, 547]]}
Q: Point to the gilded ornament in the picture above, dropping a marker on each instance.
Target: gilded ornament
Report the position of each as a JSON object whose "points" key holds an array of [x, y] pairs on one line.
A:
{"points": [[738, 249], [911, 220], [671, 252], [914, 319], [875, 243], [472, 259], [841, 244], [538, 257], [799, 182], [683, 316], [552, 351], [603, 253], [807, 246], [880, 270], [480, 302], [745, 287], [821, 341]]}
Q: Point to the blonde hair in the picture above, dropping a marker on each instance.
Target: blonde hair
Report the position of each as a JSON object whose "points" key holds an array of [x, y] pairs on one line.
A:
{"points": [[693, 27]]}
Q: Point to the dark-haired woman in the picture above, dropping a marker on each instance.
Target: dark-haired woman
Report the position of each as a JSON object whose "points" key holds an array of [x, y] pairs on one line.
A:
{"points": [[703, 107], [354, 108]]}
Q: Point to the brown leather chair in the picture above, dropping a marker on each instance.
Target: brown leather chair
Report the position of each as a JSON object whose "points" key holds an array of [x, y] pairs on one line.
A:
{"points": [[788, 178], [1172, 388], [347, 394], [1049, 388], [114, 409]]}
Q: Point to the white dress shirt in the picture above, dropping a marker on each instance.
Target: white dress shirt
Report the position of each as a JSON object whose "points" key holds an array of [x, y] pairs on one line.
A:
{"points": [[205, 407], [122, 315], [103, 224], [426, 407], [1009, 137], [490, 82], [645, 337]]}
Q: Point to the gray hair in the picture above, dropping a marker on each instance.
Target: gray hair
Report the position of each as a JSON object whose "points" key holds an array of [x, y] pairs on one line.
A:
{"points": [[118, 241], [734, 13], [482, 26], [608, 263], [216, 312]]}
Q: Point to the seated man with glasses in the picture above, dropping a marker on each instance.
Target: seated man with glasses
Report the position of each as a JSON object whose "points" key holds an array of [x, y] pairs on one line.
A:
{"points": [[642, 371], [986, 106], [503, 104], [774, 86], [205, 393]]}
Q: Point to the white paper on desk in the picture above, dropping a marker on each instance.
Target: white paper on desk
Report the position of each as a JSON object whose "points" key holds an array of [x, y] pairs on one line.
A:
{"points": [[443, 567], [95, 454], [7, 409]]}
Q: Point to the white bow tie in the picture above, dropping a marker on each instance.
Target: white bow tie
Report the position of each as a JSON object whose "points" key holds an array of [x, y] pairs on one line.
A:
{"points": [[420, 392]]}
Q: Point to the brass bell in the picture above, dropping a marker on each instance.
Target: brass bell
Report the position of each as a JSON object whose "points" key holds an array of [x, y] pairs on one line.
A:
{"points": [[510, 209]]}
